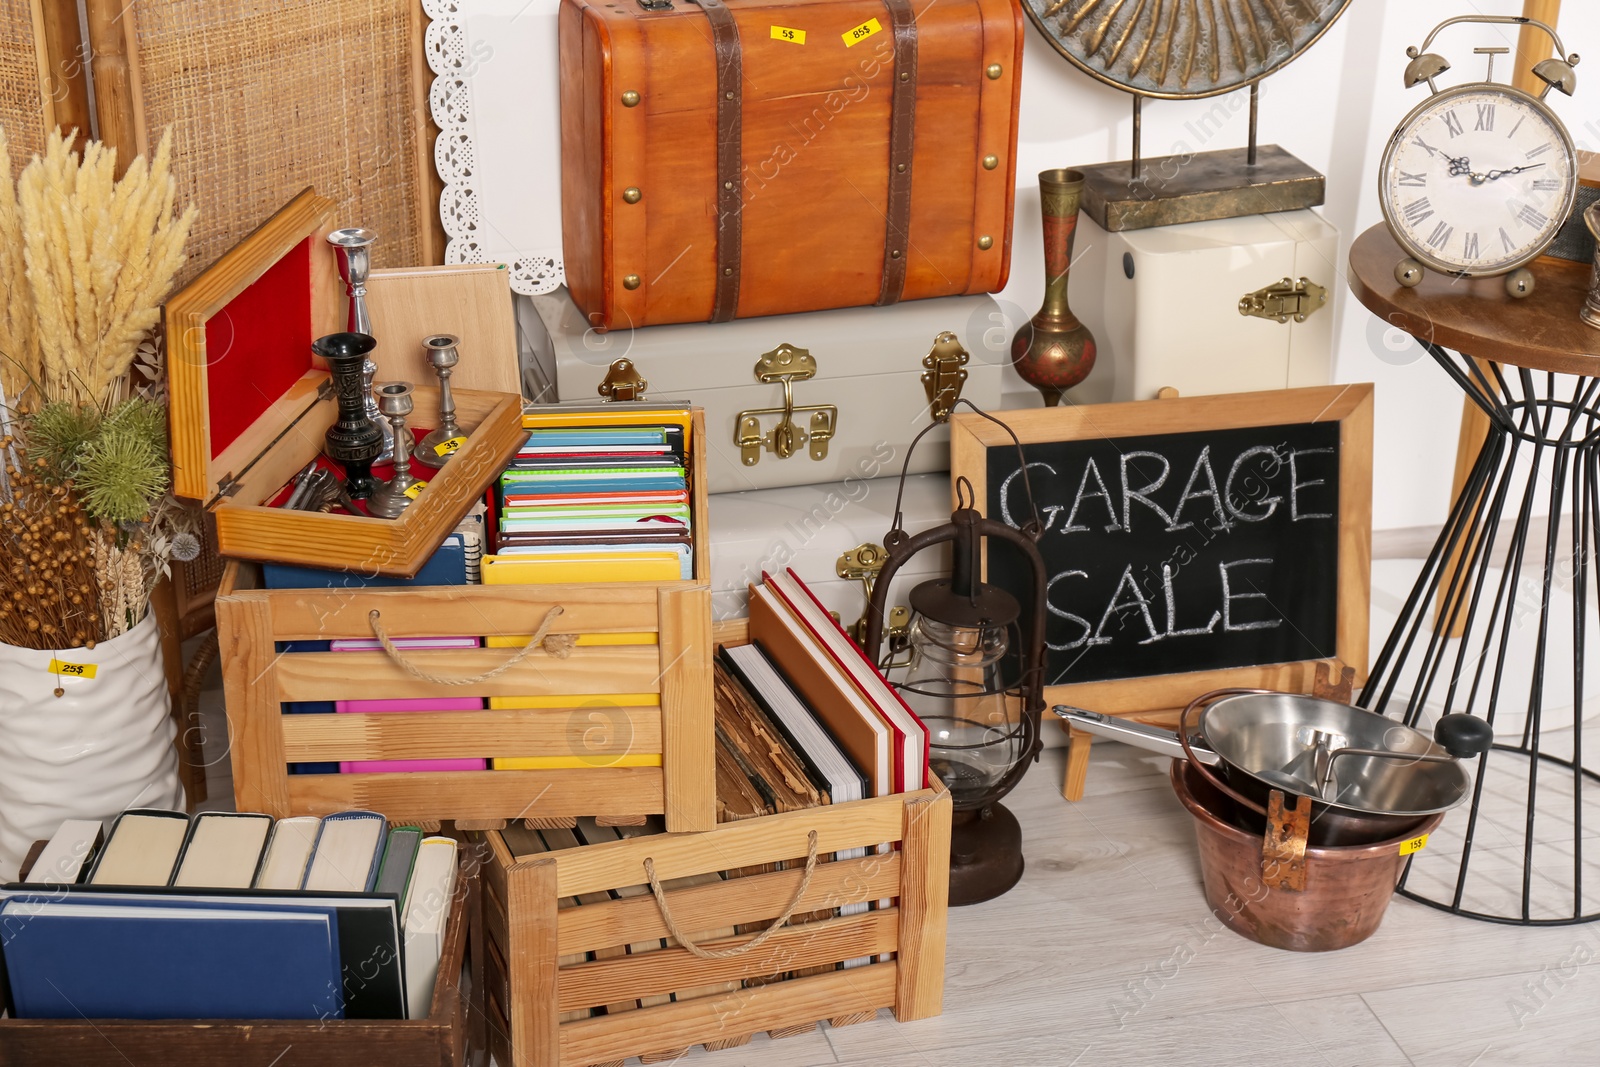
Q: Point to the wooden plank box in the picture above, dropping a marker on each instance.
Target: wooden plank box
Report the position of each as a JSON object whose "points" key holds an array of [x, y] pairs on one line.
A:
{"points": [[258, 680], [451, 1036], [527, 934], [250, 404]]}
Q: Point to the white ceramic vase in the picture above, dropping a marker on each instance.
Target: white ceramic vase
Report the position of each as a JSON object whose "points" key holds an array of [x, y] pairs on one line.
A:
{"points": [[104, 745]]}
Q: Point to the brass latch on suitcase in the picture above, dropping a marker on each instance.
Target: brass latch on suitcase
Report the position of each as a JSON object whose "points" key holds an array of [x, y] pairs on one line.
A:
{"points": [[943, 379], [1285, 300], [785, 365], [623, 381], [863, 564]]}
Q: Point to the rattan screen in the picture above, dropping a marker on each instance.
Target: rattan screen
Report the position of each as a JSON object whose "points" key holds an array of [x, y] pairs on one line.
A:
{"points": [[22, 100], [265, 98]]}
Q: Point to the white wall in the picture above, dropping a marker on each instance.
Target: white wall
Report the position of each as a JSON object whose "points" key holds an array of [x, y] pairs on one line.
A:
{"points": [[1334, 107]]}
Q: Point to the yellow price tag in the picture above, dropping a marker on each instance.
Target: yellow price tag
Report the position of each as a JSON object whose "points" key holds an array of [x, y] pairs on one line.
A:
{"points": [[72, 670], [784, 33], [1416, 844], [860, 33], [448, 448], [416, 489]]}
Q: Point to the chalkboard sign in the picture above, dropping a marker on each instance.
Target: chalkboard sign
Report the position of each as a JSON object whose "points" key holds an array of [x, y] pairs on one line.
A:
{"points": [[1192, 543]]}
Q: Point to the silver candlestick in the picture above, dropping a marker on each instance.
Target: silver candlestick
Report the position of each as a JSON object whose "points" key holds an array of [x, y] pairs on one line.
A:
{"points": [[437, 447], [389, 502], [353, 249]]}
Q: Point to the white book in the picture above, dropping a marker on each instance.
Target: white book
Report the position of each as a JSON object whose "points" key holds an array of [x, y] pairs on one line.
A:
{"points": [[64, 856], [289, 853], [143, 848], [426, 911], [223, 850], [349, 846]]}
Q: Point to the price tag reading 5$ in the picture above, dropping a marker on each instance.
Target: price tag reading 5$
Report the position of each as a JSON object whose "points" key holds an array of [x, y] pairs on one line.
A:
{"points": [[72, 670], [784, 33], [857, 34], [448, 448], [1415, 844]]}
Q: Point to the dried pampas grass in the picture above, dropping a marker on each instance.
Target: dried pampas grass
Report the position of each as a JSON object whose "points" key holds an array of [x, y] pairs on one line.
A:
{"points": [[86, 260]]}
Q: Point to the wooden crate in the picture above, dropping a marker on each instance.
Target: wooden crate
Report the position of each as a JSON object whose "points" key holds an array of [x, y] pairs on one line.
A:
{"points": [[527, 934], [451, 1036], [257, 680]]}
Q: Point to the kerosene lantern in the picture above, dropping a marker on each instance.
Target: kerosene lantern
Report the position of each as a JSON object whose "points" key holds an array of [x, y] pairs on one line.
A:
{"points": [[974, 677]]}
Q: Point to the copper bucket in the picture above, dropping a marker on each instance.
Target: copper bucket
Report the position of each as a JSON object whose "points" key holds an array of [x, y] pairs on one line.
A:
{"points": [[1346, 890]]}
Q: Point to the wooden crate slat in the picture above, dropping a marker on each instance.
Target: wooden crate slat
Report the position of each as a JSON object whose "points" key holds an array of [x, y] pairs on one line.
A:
{"points": [[688, 707], [374, 676], [479, 794], [744, 1011], [432, 611], [924, 908], [471, 734], [668, 970], [532, 907], [251, 702], [862, 823], [736, 901]]}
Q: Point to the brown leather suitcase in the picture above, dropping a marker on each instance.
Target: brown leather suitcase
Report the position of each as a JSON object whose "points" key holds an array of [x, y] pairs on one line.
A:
{"points": [[759, 157]]}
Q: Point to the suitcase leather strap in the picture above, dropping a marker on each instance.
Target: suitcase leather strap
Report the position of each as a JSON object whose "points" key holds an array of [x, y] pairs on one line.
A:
{"points": [[730, 156], [902, 120]]}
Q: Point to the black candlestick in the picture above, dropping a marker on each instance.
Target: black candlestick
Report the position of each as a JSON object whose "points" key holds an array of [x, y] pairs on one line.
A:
{"points": [[354, 441]]}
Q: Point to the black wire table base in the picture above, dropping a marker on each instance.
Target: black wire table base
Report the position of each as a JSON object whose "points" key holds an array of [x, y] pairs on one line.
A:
{"points": [[1502, 603]]}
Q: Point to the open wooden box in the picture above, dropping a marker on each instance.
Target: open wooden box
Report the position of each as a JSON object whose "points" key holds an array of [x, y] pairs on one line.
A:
{"points": [[250, 404], [451, 1036]]}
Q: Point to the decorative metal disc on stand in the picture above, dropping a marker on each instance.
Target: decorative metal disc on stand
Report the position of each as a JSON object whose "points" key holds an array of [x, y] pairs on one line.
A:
{"points": [[1181, 50]]}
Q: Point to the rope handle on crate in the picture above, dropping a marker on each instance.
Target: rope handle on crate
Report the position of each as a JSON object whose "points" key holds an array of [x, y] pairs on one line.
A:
{"points": [[755, 942], [557, 645]]}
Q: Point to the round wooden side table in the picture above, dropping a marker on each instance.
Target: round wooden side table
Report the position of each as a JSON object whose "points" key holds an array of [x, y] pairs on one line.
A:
{"points": [[1502, 579]]}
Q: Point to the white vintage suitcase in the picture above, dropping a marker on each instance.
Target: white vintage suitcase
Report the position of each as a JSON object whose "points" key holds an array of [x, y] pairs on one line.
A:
{"points": [[1164, 305], [807, 527], [868, 384]]}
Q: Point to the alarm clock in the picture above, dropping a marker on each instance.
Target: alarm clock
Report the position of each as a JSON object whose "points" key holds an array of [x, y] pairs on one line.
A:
{"points": [[1479, 179]]}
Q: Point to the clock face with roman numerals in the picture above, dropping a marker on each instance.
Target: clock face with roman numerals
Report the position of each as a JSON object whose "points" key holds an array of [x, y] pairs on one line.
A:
{"points": [[1478, 179]]}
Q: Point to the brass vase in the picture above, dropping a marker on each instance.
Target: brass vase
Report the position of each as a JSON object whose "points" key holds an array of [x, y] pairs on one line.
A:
{"points": [[1054, 351], [1591, 306]]}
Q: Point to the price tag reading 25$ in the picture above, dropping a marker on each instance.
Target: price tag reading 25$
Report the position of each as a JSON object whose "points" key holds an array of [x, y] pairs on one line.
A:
{"points": [[72, 670]]}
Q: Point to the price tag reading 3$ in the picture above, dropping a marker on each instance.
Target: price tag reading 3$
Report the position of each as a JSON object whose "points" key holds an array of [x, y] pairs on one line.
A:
{"points": [[1415, 844], [448, 448], [784, 33], [856, 35], [72, 670], [417, 489]]}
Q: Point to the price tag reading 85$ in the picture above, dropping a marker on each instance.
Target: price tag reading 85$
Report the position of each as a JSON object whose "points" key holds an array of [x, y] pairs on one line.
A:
{"points": [[72, 670], [856, 34], [448, 448]]}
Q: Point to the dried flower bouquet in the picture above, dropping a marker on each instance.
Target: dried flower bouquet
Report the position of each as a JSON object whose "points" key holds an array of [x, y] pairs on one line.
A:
{"points": [[87, 525]]}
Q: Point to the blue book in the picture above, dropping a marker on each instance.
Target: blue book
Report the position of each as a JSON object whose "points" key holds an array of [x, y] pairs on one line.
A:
{"points": [[367, 928], [123, 959], [447, 566]]}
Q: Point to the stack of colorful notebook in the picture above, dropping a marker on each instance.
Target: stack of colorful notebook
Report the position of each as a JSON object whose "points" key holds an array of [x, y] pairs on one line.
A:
{"points": [[228, 916], [597, 496]]}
